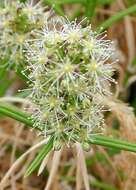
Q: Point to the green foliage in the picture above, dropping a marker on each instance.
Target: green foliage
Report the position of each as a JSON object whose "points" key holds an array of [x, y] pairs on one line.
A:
{"points": [[130, 2], [104, 2], [39, 158], [19, 22], [6, 85], [15, 113], [118, 16], [90, 8], [113, 143]]}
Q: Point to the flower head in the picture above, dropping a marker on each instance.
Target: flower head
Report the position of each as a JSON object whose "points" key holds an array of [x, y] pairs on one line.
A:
{"points": [[17, 20], [69, 67]]}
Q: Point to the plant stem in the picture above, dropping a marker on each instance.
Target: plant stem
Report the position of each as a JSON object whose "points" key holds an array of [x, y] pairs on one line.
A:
{"points": [[112, 143], [13, 112], [100, 137]]}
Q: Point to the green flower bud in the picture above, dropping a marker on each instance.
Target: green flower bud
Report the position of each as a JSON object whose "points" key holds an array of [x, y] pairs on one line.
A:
{"points": [[86, 146]]}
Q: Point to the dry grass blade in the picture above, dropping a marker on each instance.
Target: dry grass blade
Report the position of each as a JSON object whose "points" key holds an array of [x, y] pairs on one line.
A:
{"points": [[55, 165], [18, 161], [43, 164], [81, 157]]}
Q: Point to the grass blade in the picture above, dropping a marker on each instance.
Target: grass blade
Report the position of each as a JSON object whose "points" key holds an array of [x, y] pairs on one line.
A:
{"points": [[15, 113], [56, 7], [39, 158], [107, 139], [116, 18], [90, 8], [112, 143]]}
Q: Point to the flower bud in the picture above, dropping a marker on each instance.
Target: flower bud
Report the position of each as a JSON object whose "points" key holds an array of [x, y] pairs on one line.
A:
{"points": [[86, 146]]}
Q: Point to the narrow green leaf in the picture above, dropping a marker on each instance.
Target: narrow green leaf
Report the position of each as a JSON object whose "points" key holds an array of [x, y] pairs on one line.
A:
{"points": [[39, 158], [90, 8], [14, 113], [112, 143], [56, 6], [118, 16], [107, 139], [6, 80]]}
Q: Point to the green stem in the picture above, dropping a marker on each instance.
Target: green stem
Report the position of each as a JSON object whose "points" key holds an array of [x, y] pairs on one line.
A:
{"points": [[112, 143], [116, 18], [13, 112], [100, 137]]}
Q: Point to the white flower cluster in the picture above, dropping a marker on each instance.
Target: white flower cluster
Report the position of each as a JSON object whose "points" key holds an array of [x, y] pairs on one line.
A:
{"points": [[69, 67], [17, 20]]}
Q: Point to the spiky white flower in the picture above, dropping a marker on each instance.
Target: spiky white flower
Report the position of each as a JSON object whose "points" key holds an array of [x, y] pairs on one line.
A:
{"points": [[32, 10], [68, 66], [17, 20]]}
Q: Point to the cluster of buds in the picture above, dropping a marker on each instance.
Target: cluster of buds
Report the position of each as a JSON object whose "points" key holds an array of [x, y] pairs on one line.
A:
{"points": [[17, 20], [69, 67]]}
